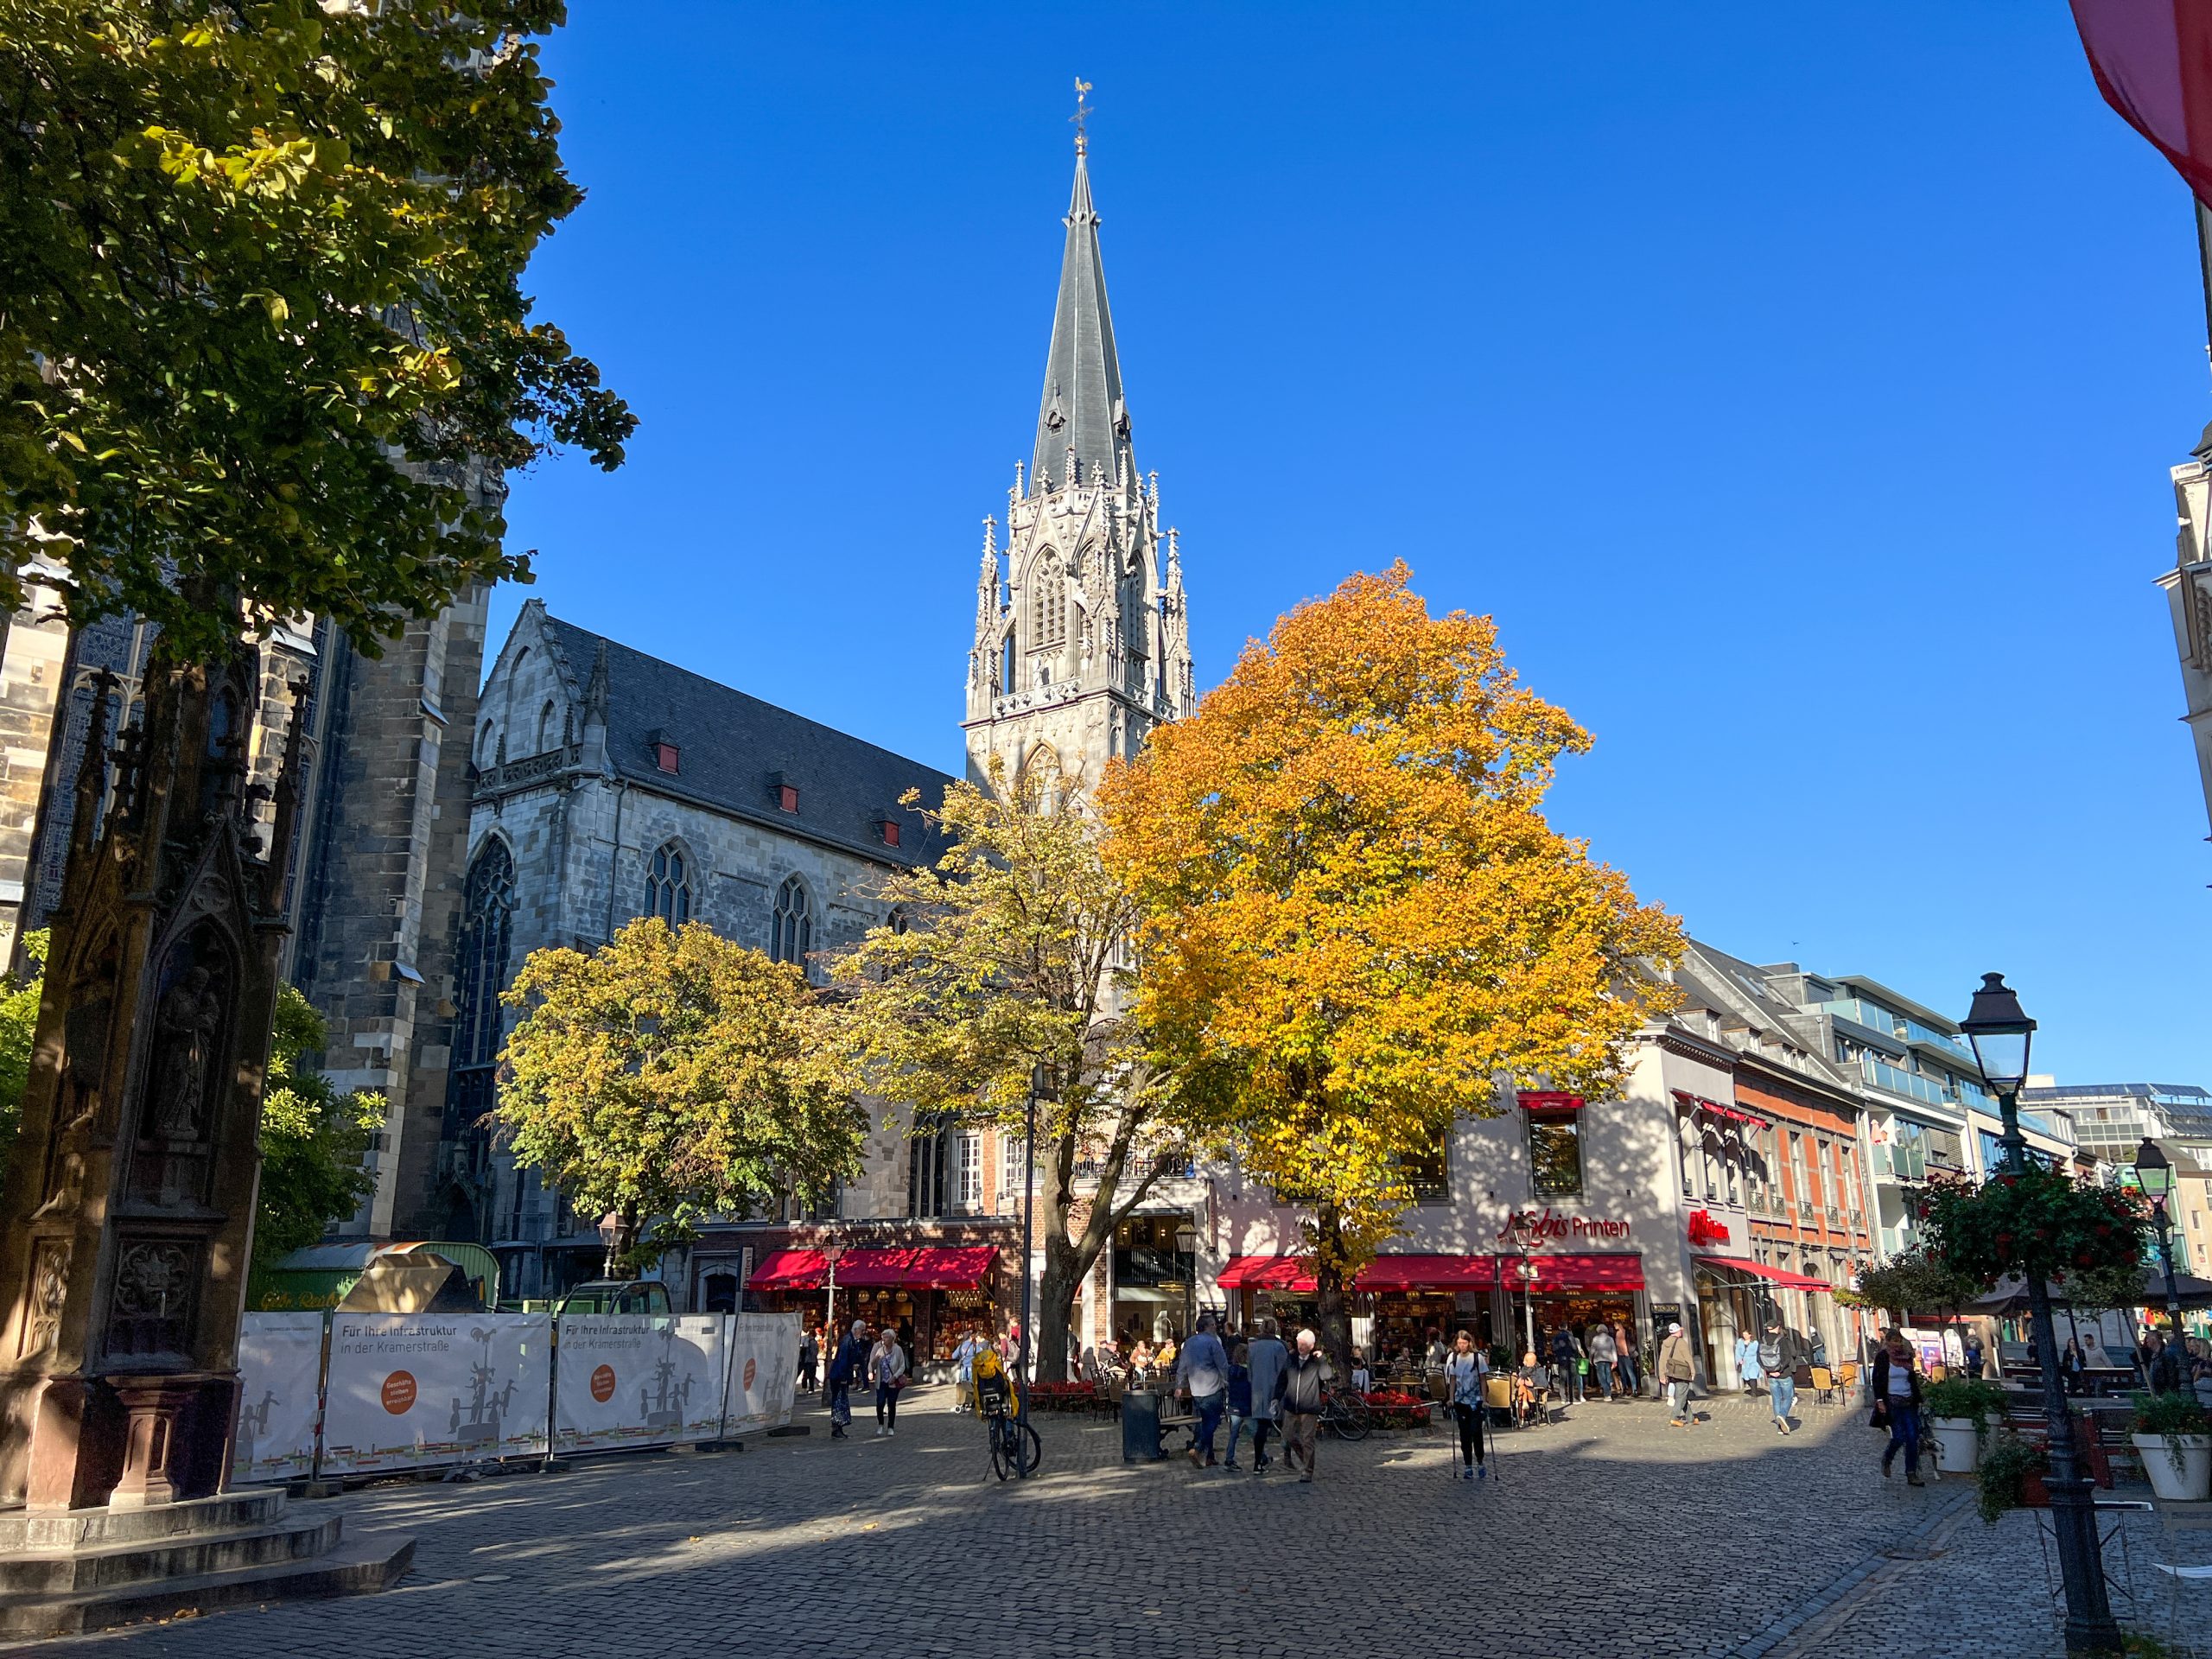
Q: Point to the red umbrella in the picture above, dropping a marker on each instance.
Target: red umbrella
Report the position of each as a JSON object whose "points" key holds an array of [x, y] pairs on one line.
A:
{"points": [[2152, 59]]}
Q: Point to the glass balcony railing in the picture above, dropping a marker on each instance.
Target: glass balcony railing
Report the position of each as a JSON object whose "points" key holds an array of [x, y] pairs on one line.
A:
{"points": [[1915, 1087], [1901, 1162], [1898, 1024]]}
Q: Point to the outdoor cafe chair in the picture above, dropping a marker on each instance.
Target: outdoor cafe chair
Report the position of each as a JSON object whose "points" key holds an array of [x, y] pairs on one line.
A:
{"points": [[1824, 1385]]}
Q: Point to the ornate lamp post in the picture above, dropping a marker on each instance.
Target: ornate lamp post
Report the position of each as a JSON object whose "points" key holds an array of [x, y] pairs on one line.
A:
{"points": [[2154, 1173], [2001, 1033]]}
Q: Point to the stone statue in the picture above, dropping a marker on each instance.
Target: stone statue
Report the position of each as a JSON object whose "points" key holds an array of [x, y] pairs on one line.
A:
{"points": [[184, 1032]]}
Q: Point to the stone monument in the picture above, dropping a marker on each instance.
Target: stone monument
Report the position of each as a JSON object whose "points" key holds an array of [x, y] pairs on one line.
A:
{"points": [[126, 1221]]}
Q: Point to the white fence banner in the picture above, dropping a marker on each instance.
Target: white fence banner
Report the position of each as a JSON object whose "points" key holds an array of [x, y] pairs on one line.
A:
{"points": [[280, 1383], [414, 1391], [763, 1371], [637, 1379]]}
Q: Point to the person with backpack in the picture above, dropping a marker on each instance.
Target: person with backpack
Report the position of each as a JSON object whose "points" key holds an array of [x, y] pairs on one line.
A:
{"points": [[852, 1354], [1566, 1365], [1782, 1351]]}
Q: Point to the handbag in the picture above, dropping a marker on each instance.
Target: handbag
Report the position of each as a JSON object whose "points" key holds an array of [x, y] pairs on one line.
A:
{"points": [[1802, 1377], [1880, 1419]]}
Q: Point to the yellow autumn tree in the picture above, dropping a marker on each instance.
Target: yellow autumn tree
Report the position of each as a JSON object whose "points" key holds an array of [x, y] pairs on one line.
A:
{"points": [[671, 1075], [1356, 921]]}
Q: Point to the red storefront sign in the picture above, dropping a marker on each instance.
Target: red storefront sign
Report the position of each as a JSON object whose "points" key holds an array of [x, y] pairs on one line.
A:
{"points": [[1528, 1227], [1704, 1230]]}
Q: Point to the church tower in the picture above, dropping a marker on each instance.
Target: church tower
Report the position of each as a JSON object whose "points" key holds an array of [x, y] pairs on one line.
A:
{"points": [[1081, 645]]}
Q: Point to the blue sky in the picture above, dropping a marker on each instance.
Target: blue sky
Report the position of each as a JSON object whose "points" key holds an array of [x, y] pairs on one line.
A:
{"points": [[1795, 385]]}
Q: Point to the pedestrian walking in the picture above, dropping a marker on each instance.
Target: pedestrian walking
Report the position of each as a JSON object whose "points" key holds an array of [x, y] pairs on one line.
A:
{"points": [[1677, 1370], [1604, 1353], [963, 1370], [1749, 1371], [1973, 1357], [810, 1361], [1302, 1394], [1269, 1363], [1566, 1365], [1202, 1368], [1782, 1351], [1240, 1405], [1896, 1405], [887, 1369], [1465, 1370], [844, 1367]]}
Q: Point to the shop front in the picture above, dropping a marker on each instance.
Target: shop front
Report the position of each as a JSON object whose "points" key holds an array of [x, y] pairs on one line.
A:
{"points": [[1155, 1278], [1737, 1296], [1555, 1290], [931, 1294]]}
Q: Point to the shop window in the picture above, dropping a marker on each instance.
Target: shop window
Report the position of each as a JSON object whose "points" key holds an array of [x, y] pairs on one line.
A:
{"points": [[1555, 1153], [719, 1294]]}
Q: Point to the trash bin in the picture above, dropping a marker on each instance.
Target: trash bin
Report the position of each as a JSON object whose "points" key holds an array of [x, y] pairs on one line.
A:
{"points": [[1140, 1427]]}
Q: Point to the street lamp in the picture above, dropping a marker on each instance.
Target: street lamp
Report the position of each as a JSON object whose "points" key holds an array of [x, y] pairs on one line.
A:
{"points": [[2001, 1033], [2154, 1173]]}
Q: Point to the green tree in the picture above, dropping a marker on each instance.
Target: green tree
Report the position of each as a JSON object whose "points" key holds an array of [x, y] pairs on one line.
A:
{"points": [[18, 1026], [314, 1140], [671, 1075], [261, 312], [1003, 977]]}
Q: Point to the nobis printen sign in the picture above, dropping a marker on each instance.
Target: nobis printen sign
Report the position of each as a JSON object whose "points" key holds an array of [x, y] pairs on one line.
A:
{"points": [[1525, 1227]]}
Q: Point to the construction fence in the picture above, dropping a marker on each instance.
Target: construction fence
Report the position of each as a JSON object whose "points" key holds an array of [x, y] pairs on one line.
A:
{"points": [[326, 1395]]}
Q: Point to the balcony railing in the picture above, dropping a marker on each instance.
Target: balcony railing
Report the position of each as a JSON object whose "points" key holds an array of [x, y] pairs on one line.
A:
{"points": [[1805, 1208], [1915, 1087], [1835, 1216], [1897, 1025]]}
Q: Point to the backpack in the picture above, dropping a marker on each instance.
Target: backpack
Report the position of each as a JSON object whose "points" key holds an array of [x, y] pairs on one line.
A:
{"points": [[1771, 1356]]}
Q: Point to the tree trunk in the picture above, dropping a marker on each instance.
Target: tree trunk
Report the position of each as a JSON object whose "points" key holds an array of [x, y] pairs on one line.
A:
{"points": [[1331, 1308], [1056, 1287]]}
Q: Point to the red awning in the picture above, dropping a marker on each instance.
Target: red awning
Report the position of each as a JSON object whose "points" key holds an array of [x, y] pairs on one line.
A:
{"points": [[926, 1267], [1727, 1113], [1580, 1271], [1536, 1100], [1416, 1271], [1787, 1280], [1266, 1273], [789, 1270]]}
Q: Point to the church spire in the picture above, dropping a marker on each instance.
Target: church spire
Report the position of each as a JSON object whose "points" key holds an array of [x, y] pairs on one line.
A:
{"points": [[1082, 408]]}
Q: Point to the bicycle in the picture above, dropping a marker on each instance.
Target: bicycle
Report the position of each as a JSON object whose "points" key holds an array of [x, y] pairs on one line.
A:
{"points": [[1015, 1449], [1346, 1413]]}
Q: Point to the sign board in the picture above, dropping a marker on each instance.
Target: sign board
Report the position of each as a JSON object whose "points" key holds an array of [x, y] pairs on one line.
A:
{"points": [[417, 1390], [1665, 1315], [635, 1379], [763, 1377], [280, 1397]]}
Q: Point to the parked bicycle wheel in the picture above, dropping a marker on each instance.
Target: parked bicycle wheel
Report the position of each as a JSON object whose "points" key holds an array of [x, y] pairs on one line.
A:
{"points": [[1348, 1414], [1015, 1449]]}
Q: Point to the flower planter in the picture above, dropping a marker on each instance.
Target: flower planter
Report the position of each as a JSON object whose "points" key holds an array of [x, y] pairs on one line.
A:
{"points": [[2186, 1478], [2034, 1495], [1958, 1444]]}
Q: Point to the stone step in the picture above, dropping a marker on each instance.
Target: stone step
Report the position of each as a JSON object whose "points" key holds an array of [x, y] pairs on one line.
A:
{"points": [[352, 1569], [42, 1573], [93, 1529]]}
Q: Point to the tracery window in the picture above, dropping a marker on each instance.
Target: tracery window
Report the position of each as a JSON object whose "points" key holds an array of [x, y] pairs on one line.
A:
{"points": [[790, 932], [668, 886], [1048, 603]]}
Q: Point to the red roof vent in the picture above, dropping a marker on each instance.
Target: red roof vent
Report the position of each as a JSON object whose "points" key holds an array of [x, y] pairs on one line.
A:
{"points": [[787, 797], [889, 829], [666, 756]]}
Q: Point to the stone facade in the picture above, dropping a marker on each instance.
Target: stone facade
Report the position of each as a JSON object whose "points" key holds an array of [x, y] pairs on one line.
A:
{"points": [[609, 785]]}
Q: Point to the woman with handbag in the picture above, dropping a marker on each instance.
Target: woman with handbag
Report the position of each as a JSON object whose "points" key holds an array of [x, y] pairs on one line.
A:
{"points": [[886, 1369], [1896, 1405]]}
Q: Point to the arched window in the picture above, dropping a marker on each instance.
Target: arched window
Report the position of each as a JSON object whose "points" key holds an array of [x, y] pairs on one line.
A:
{"points": [[547, 731], [896, 921], [668, 885], [1005, 667], [487, 911], [791, 934], [1048, 603], [487, 744]]}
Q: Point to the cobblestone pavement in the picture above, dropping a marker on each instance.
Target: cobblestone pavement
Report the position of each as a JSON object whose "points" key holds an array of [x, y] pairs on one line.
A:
{"points": [[1609, 1534]]}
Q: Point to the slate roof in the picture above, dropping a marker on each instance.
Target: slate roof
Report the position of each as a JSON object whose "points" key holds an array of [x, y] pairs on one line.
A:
{"points": [[1082, 402], [733, 750]]}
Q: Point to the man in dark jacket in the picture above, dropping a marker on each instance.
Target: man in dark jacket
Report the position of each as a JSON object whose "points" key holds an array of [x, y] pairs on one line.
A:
{"points": [[851, 1358], [1303, 1392], [1782, 1351]]}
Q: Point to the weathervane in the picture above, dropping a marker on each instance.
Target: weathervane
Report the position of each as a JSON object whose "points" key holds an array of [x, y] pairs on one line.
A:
{"points": [[1082, 114]]}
